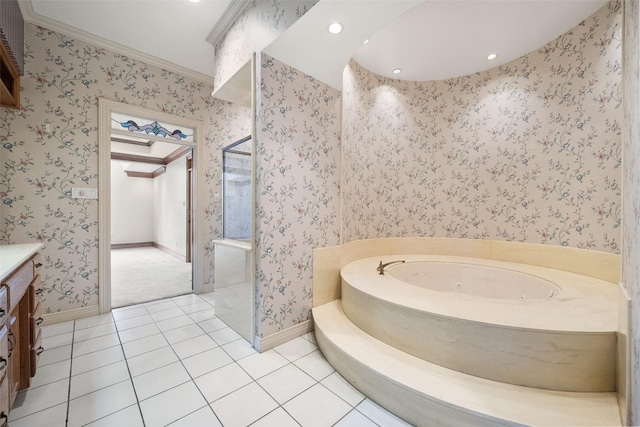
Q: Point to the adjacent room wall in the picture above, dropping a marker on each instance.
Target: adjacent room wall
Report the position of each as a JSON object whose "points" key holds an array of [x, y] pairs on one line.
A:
{"points": [[170, 208], [131, 207], [529, 151]]}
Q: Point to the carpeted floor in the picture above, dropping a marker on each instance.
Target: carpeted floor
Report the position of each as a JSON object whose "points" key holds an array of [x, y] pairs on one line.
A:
{"points": [[146, 274]]}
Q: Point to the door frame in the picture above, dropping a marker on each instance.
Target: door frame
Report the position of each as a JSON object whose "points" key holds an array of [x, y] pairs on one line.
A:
{"points": [[105, 108], [189, 205]]}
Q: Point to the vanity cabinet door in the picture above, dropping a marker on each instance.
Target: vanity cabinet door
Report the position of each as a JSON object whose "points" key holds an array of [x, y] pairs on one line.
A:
{"points": [[4, 305], [4, 352], [35, 321], [37, 264], [13, 369], [35, 293], [4, 376], [36, 351], [4, 402]]}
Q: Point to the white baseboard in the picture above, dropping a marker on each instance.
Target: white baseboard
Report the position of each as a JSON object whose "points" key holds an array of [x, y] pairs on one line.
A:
{"points": [[73, 314], [281, 337]]}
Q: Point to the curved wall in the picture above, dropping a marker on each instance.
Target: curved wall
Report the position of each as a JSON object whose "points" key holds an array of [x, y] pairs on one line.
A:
{"points": [[529, 151]]}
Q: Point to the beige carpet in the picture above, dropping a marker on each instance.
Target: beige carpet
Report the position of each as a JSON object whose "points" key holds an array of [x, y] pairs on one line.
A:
{"points": [[146, 274]]}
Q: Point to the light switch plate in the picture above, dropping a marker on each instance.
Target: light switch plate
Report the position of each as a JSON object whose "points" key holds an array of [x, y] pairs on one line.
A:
{"points": [[84, 193]]}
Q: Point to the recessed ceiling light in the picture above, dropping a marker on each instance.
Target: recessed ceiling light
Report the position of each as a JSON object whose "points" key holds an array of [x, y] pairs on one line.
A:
{"points": [[397, 71], [194, 1], [492, 56], [366, 41], [335, 28]]}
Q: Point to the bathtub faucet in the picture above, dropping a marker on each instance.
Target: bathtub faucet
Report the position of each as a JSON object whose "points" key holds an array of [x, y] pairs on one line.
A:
{"points": [[381, 266]]}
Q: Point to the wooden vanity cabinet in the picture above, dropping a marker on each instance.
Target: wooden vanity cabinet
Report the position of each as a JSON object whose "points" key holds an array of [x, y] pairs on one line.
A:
{"points": [[22, 325], [35, 315], [4, 358]]}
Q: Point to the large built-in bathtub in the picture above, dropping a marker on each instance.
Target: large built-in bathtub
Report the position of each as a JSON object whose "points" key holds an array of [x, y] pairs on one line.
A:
{"points": [[475, 332], [514, 323]]}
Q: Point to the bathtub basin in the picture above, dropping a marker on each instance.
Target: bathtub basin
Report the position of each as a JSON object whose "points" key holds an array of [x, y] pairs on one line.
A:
{"points": [[475, 280], [508, 322]]}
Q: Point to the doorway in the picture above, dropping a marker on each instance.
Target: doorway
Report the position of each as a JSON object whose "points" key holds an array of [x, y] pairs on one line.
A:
{"points": [[156, 156], [150, 224]]}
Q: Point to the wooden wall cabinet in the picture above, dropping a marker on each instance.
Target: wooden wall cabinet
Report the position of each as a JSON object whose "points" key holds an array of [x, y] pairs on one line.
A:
{"points": [[9, 81], [11, 53], [20, 334]]}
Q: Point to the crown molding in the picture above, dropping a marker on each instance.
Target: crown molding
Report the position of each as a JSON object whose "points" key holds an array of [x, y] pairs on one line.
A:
{"points": [[135, 174], [30, 16], [228, 18]]}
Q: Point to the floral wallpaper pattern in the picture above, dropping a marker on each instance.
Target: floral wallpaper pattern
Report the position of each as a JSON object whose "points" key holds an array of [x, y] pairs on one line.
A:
{"points": [[631, 204], [529, 151], [51, 145], [260, 24], [298, 172]]}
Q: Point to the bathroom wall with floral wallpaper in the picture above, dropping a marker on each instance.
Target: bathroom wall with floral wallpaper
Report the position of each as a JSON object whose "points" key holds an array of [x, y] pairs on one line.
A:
{"points": [[298, 189], [631, 208], [529, 151], [64, 78], [260, 23]]}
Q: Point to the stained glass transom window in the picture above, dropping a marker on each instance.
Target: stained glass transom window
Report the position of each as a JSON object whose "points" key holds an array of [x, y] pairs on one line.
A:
{"points": [[152, 128]]}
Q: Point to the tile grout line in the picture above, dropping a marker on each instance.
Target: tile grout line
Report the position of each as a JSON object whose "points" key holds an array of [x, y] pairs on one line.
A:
{"points": [[126, 361], [233, 361], [207, 404], [73, 335], [189, 373], [281, 405]]}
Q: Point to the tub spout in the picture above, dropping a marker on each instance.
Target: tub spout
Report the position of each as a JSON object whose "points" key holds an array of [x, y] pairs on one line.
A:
{"points": [[381, 266]]}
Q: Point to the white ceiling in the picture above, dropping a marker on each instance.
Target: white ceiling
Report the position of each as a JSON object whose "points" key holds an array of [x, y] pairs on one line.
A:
{"points": [[444, 39], [427, 39], [168, 31]]}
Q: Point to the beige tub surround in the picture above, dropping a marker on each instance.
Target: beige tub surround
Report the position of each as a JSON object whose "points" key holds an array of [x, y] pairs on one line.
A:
{"points": [[566, 342], [327, 262], [436, 355]]}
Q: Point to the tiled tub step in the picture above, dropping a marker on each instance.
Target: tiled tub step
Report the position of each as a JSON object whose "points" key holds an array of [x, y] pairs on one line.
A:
{"points": [[425, 394]]}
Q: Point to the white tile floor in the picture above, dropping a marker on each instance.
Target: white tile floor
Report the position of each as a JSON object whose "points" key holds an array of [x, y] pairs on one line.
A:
{"points": [[173, 362]]}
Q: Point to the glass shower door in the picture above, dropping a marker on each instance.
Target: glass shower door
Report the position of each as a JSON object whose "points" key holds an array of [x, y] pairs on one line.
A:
{"points": [[236, 191], [233, 255]]}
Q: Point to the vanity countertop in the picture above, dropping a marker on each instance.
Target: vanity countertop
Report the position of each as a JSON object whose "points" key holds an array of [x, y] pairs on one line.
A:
{"points": [[12, 256]]}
